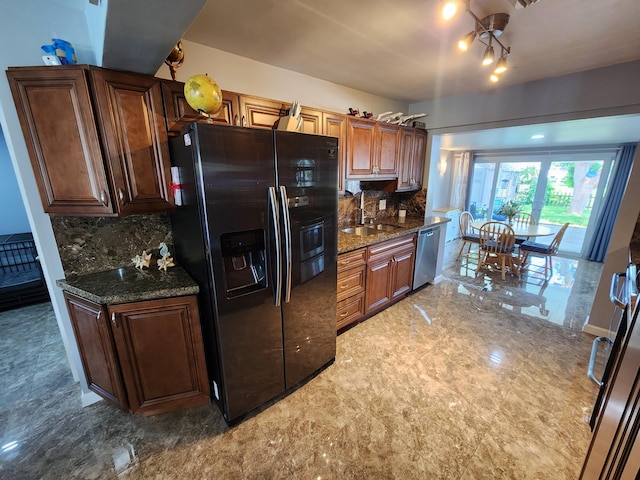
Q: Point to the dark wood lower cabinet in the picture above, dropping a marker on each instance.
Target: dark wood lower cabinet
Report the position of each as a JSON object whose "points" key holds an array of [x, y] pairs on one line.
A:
{"points": [[370, 279], [389, 272], [144, 357]]}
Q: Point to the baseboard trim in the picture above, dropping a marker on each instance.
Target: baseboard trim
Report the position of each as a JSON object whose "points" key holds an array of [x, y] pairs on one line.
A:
{"points": [[594, 330], [438, 279], [90, 398]]}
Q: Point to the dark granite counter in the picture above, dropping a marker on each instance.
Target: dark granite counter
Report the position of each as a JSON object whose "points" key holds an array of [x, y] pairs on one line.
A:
{"points": [[129, 284], [348, 241]]}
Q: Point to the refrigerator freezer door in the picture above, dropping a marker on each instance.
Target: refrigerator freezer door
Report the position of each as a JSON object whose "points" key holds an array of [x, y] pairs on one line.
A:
{"points": [[236, 172], [307, 167]]}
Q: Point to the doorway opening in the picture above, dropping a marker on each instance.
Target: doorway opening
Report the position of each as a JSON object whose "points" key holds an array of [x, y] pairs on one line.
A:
{"points": [[554, 187]]}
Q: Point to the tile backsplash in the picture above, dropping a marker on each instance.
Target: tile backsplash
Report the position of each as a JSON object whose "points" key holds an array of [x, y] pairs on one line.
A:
{"points": [[95, 244], [349, 205]]}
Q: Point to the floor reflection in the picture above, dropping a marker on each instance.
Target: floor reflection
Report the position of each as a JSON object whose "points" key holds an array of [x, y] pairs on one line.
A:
{"points": [[552, 298]]}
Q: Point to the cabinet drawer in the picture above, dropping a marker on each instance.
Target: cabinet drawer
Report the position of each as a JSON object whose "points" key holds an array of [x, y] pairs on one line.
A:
{"points": [[351, 282], [351, 259], [349, 310], [390, 247]]}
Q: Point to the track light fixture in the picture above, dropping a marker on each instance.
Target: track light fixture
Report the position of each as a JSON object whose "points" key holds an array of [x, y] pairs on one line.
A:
{"points": [[486, 30]]}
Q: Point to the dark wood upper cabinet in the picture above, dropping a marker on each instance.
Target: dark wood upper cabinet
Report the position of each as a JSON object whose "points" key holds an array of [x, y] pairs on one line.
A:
{"points": [[413, 144], [311, 121], [178, 113], [335, 125], [130, 116], [360, 149], [387, 140], [259, 112], [97, 139], [56, 115]]}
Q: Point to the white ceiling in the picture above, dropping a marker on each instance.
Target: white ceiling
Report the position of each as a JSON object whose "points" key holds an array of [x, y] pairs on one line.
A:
{"points": [[397, 49], [400, 49]]}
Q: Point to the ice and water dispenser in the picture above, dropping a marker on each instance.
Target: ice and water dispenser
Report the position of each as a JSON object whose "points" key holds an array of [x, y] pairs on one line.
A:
{"points": [[244, 262]]}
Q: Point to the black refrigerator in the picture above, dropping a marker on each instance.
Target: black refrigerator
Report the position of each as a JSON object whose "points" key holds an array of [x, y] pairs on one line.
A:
{"points": [[256, 227]]}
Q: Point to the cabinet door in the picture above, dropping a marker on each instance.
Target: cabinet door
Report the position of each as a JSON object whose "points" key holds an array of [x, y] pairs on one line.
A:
{"points": [[360, 148], [97, 350], [56, 115], [419, 158], [260, 112], [159, 344], [377, 293], [311, 121], [405, 169], [178, 113], [402, 277], [134, 135], [335, 125], [387, 139]]}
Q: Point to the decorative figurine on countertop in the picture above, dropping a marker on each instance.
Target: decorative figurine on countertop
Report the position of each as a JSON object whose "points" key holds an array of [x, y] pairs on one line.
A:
{"points": [[166, 260], [164, 250], [143, 260]]}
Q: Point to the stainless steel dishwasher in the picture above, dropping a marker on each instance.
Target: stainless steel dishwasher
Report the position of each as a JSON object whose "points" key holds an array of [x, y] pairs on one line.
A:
{"points": [[426, 256]]}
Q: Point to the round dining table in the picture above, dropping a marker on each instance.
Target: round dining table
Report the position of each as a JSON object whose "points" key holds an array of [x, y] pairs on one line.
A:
{"points": [[520, 230]]}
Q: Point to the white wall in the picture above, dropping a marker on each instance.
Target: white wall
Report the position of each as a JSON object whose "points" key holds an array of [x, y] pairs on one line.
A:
{"points": [[27, 25], [604, 91], [243, 75], [13, 218]]}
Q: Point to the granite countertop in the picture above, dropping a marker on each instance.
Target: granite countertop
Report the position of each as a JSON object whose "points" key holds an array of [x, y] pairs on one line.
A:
{"points": [[348, 241], [129, 284]]}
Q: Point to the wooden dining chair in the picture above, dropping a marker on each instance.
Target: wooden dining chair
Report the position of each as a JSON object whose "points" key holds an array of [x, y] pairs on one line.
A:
{"points": [[522, 221], [469, 237], [528, 249], [496, 247]]}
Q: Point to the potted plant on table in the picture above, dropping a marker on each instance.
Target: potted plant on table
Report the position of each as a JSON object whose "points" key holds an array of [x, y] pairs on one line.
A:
{"points": [[509, 209]]}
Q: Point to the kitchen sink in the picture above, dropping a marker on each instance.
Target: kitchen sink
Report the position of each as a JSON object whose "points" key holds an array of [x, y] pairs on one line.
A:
{"points": [[362, 231], [385, 228]]}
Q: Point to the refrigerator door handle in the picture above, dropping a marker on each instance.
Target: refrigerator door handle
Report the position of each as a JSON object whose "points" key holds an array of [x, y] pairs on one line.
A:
{"points": [[273, 203], [286, 219]]}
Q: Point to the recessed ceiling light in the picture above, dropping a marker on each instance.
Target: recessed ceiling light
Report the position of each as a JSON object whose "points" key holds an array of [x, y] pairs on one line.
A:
{"points": [[537, 136]]}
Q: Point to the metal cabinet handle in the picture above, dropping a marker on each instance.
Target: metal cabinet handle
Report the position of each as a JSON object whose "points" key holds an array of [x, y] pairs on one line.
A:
{"points": [[344, 314], [236, 120], [103, 198], [113, 319], [244, 121], [592, 359], [613, 291], [99, 315], [345, 262], [121, 194], [343, 286]]}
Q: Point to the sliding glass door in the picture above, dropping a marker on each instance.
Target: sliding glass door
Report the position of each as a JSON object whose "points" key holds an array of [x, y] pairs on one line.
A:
{"points": [[554, 187]]}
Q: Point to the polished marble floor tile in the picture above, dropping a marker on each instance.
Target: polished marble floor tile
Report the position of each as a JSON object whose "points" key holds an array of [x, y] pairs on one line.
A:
{"points": [[471, 378]]}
